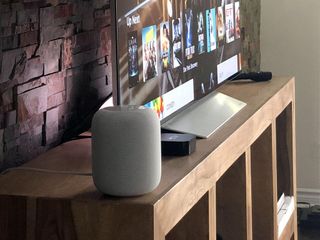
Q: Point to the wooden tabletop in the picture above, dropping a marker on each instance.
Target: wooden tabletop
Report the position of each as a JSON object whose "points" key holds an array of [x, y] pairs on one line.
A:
{"points": [[76, 156]]}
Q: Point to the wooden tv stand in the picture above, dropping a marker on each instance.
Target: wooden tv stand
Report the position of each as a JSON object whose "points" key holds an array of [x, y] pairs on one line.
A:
{"points": [[230, 185]]}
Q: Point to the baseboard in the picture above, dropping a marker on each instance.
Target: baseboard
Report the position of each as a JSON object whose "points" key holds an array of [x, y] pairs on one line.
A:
{"points": [[308, 195]]}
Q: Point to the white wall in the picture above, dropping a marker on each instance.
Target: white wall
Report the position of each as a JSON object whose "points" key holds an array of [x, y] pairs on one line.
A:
{"points": [[290, 45]]}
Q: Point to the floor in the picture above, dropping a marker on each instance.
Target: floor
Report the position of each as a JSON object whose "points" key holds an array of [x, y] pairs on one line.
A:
{"points": [[309, 233], [309, 223]]}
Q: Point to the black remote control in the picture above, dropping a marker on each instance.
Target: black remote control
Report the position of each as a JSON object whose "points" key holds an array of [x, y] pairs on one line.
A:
{"points": [[255, 76]]}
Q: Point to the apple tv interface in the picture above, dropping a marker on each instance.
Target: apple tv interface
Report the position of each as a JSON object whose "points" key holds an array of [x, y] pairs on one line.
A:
{"points": [[172, 52]]}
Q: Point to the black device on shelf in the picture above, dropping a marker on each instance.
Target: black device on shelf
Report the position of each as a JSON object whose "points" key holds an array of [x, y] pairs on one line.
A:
{"points": [[177, 144]]}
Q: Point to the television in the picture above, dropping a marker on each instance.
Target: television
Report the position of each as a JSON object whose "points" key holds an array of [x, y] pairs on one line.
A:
{"points": [[171, 55]]}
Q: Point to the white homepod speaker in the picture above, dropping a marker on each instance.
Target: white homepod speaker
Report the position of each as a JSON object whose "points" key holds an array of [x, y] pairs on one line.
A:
{"points": [[126, 150]]}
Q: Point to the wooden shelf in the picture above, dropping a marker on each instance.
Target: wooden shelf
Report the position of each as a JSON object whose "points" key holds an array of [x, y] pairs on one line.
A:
{"points": [[289, 231], [264, 196], [228, 186], [231, 202]]}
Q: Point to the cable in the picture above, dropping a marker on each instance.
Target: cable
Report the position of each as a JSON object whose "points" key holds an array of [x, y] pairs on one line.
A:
{"points": [[45, 171]]}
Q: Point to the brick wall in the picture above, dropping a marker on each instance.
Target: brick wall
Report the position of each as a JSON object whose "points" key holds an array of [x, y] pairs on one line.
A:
{"points": [[55, 67]]}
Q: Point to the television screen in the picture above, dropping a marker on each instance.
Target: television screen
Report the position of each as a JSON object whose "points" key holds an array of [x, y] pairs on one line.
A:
{"points": [[171, 52]]}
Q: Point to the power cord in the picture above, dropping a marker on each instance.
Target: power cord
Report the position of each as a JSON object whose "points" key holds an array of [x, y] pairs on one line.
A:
{"points": [[46, 171]]}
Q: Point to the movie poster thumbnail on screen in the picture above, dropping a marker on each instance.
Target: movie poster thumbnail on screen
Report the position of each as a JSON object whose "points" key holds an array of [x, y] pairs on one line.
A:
{"points": [[171, 52]]}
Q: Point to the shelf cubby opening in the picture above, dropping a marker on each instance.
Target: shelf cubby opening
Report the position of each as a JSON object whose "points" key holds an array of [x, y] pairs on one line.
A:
{"points": [[263, 187], [194, 225], [231, 210], [285, 152]]}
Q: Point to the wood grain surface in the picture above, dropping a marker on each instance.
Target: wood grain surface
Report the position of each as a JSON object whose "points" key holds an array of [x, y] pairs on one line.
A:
{"points": [[192, 188]]}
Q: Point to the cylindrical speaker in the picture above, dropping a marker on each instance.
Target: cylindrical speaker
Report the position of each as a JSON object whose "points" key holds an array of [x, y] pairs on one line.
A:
{"points": [[126, 150]]}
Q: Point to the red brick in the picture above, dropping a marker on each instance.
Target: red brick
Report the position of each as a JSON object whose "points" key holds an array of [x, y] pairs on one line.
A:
{"points": [[100, 85], [10, 42], [84, 41], [99, 71], [52, 116], [109, 74], [33, 69], [34, 122], [31, 50], [67, 53], [27, 27], [102, 22], [102, 60], [52, 124], [63, 11], [11, 133], [7, 108], [100, 3], [27, 16], [7, 19], [52, 66], [31, 85], [100, 13], [7, 97], [88, 20], [6, 31], [49, 33], [53, 2], [56, 99], [28, 38], [84, 58], [46, 16], [51, 134], [31, 103], [10, 118], [105, 42], [31, 147], [22, 28], [55, 83], [31, 27], [9, 59], [50, 56]]}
